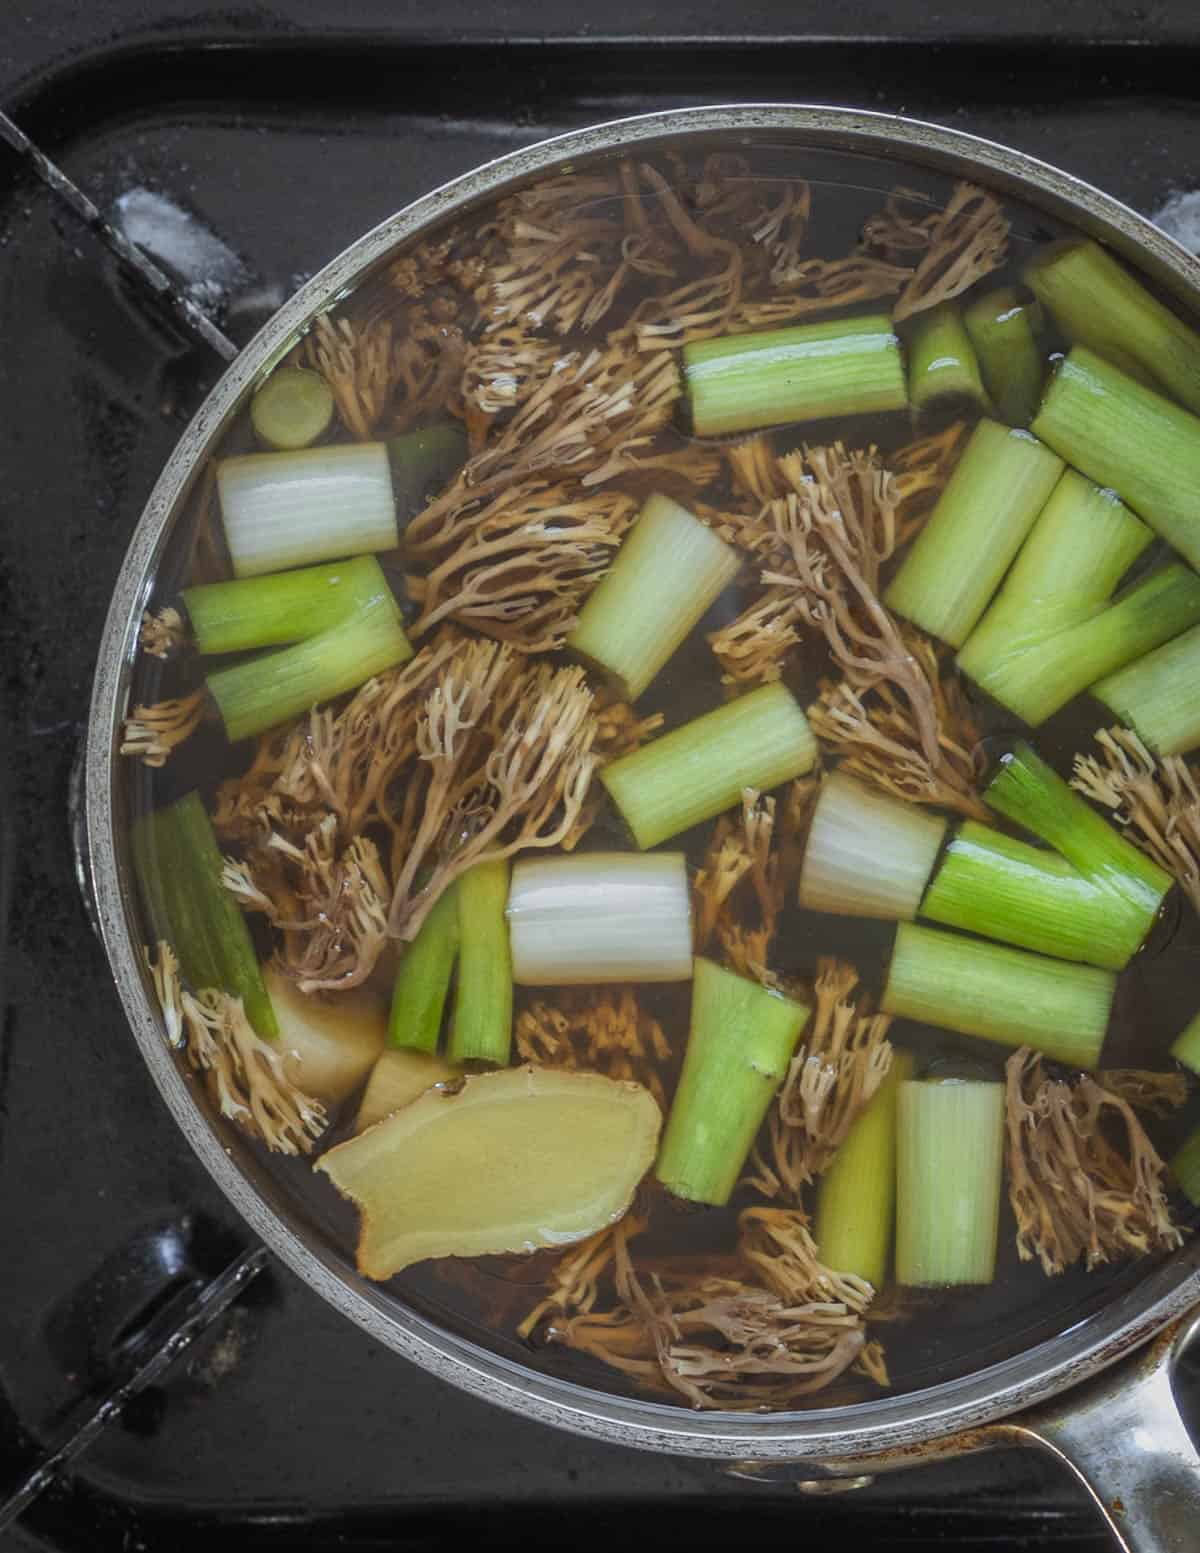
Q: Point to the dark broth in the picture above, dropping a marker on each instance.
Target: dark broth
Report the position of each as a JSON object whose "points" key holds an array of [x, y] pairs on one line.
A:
{"points": [[947, 1334]]}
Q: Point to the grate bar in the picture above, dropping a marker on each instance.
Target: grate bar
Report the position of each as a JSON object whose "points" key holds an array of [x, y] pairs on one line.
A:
{"points": [[193, 318], [211, 1303]]}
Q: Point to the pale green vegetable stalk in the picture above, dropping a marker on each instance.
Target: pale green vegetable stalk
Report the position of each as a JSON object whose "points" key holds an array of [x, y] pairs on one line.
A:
{"points": [[291, 409], [179, 867], [1051, 632], [423, 978], [668, 571], [423, 464], [292, 509], [1149, 613], [741, 1040], [276, 686], [867, 855], [942, 369], [981, 519], [481, 1028], [1003, 330], [1000, 994], [1124, 435], [1185, 1167], [759, 740], [1097, 302], [600, 917], [994, 885], [1158, 695], [856, 1198], [850, 366], [950, 1165], [1026, 791], [1187, 1046], [284, 607]]}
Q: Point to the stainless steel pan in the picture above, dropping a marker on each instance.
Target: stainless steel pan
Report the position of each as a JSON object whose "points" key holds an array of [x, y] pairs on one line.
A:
{"points": [[1084, 1395]]}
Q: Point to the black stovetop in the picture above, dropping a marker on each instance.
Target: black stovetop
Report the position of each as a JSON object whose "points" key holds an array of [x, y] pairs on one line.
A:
{"points": [[262, 141]]}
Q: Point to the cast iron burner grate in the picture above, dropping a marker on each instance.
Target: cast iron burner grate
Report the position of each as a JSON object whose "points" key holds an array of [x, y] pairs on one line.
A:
{"points": [[242, 153]]}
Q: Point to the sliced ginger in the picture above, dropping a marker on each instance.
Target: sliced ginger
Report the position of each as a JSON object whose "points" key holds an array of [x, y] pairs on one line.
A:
{"points": [[513, 1161]]}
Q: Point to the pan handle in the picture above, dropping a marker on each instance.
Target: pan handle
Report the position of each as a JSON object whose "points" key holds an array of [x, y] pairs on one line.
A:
{"points": [[1122, 1436]]}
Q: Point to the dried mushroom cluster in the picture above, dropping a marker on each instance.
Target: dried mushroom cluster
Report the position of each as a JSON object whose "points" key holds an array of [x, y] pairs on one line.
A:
{"points": [[744, 879], [596, 1029], [1158, 801], [774, 1326], [1077, 1194], [245, 1075], [843, 1059], [469, 752]]}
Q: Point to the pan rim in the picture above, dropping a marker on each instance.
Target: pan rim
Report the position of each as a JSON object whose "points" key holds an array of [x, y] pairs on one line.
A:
{"points": [[831, 1435]]}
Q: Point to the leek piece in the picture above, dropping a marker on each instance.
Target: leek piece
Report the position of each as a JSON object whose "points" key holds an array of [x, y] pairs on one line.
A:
{"points": [[668, 571], [276, 686], [399, 1077], [1003, 330], [1146, 615], [950, 1158], [423, 463], [176, 912], [1028, 792], [180, 865], [759, 740], [1097, 302], [284, 607], [1047, 631], [1000, 994], [1185, 1167], [149, 866], [291, 509], [1187, 1046], [291, 409], [856, 1198], [600, 917], [850, 366], [943, 371], [981, 519], [328, 1044], [868, 855], [510, 1162], [994, 885], [423, 978], [1157, 695], [481, 1027], [1124, 435], [740, 1042]]}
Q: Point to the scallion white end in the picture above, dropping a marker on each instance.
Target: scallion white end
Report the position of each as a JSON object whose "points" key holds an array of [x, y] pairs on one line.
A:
{"points": [[868, 855], [600, 917], [319, 504]]}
